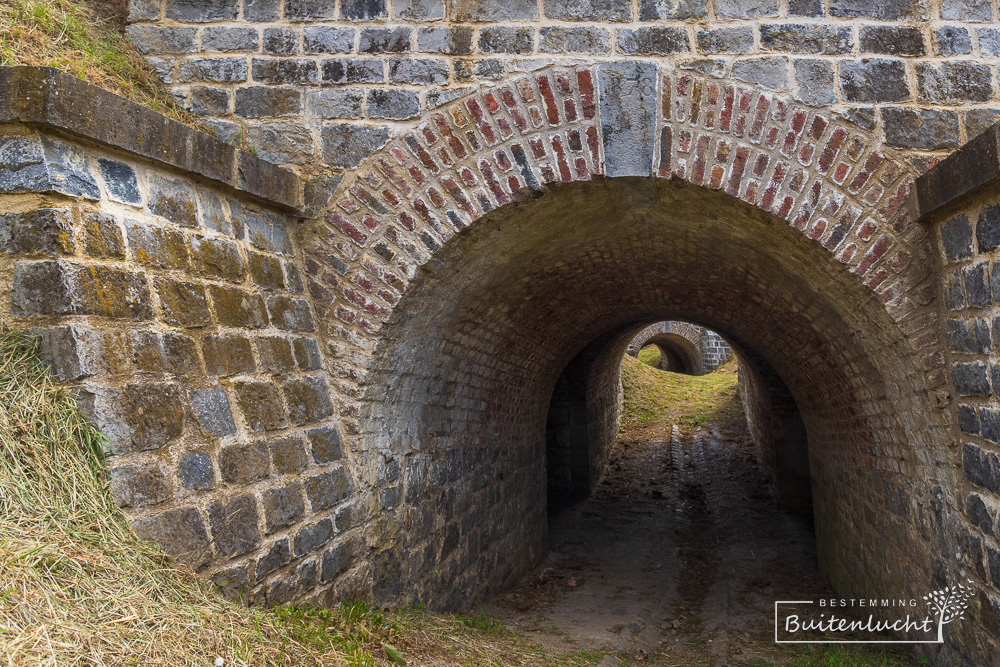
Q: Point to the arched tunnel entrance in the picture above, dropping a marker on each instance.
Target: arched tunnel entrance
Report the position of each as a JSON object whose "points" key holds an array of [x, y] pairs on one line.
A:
{"points": [[677, 354], [530, 311]]}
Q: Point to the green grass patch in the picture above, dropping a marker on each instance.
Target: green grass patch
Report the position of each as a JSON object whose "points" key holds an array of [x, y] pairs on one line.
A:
{"points": [[650, 355], [652, 395], [854, 655]]}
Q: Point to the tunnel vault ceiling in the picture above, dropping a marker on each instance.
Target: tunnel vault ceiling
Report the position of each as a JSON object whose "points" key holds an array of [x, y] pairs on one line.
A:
{"points": [[543, 223]]}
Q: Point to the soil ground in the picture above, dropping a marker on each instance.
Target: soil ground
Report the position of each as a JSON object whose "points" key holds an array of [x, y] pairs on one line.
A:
{"points": [[677, 559]]}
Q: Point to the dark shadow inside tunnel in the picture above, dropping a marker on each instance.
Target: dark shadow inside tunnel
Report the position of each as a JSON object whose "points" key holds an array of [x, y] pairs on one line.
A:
{"points": [[498, 391]]}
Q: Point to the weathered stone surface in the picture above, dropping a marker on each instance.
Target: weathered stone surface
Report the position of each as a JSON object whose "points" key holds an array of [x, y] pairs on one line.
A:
{"points": [[892, 40], [43, 164], [283, 506], [811, 8], [209, 101], [277, 555], [952, 40], [814, 82], [179, 531], [260, 10], [726, 40], [971, 379], [653, 41], [328, 488], [216, 258], [219, 70], [746, 9], [966, 10], [307, 356], [275, 354], [989, 41], [574, 40], [183, 304], [988, 228], [195, 471], [628, 117], [393, 104], [284, 70], [44, 231], [282, 142], [143, 10], [503, 39], [260, 404], [229, 39], [288, 456], [981, 516], [267, 101], [767, 72], [653, 10], [334, 562], [266, 232], [308, 400], [384, 40], [228, 355], [72, 352], [313, 537], [290, 314], [955, 82], [978, 121], [153, 39], [453, 41], [493, 11], [243, 464], [265, 271], [806, 38], [418, 71], [281, 41], [588, 10], [234, 526], [139, 486], [925, 130], [418, 9], [875, 80], [971, 337], [211, 411], [325, 445], [321, 39], [956, 238], [353, 70], [201, 11], [890, 10], [234, 307], [174, 200], [345, 146], [302, 10], [160, 247], [60, 288], [362, 10]]}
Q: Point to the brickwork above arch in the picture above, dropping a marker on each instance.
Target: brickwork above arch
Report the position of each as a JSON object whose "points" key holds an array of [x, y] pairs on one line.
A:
{"points": [[824, 176]]}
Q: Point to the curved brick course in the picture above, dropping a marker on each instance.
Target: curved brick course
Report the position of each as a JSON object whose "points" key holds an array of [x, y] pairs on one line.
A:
{"points": [[684, 347]]}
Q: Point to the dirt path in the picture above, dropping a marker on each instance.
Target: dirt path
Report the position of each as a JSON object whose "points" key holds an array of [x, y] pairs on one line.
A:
{"points": [[676, 560]]}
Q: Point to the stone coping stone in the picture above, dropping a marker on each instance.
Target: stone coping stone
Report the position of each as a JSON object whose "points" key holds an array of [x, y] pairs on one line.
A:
{"points": [[971, 168], [45, 96]]}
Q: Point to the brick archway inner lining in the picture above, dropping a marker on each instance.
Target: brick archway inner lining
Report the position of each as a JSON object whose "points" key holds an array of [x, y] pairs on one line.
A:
{"points": [[451, 425]]}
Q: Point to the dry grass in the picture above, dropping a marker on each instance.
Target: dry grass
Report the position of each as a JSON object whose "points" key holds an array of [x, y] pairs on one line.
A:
{"points": [[85, 39], [652, 395]]}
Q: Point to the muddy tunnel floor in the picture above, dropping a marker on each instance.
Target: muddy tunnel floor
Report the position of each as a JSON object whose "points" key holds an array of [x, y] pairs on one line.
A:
{"points": [[677, 559]]}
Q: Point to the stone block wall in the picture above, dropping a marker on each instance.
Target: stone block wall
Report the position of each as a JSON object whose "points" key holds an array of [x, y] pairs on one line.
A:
{"points": [[960, 200], [715, 351], [175, 306], [320, 84]]}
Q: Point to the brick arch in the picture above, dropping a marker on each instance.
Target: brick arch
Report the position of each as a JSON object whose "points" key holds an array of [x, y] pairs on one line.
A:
{"points": [[682, 339], [678, 354], [625, 130]]}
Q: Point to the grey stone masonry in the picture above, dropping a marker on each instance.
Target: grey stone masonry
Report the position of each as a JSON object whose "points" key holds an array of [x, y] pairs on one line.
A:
{"points": [[883, 65]]}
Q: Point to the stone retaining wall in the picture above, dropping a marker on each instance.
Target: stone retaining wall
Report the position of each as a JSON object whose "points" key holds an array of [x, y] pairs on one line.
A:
{"points": [[174, 302]]}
